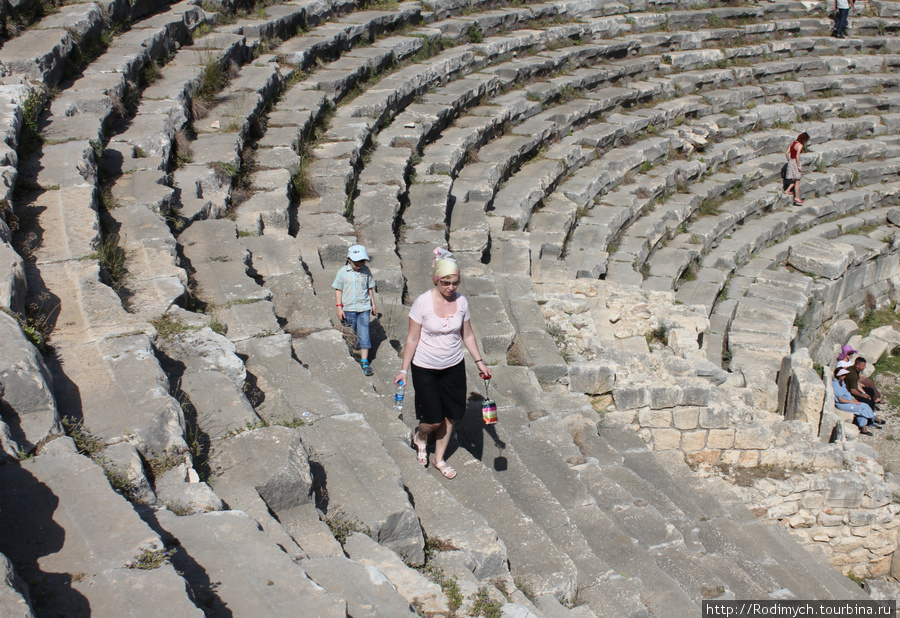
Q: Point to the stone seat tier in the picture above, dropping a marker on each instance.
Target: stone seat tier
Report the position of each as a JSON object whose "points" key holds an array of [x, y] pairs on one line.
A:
{"points": [[50, 512], [707, 231]]}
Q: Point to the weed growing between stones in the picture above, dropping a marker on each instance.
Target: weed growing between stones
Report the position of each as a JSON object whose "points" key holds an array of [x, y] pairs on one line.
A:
{"points": [[876, 318], [150, 559], [85, 441], [163, 462], [483, 605], [118, 479], [448, 583], [166, 326], [342, 526], [112, 262], [660, 335], [525, 589]]}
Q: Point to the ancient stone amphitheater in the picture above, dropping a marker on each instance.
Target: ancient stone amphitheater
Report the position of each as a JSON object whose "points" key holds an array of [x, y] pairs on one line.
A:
{"points": [[184, 428]]}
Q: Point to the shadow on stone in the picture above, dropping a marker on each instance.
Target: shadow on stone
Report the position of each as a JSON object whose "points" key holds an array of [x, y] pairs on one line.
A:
{"points": [[29, 534]]}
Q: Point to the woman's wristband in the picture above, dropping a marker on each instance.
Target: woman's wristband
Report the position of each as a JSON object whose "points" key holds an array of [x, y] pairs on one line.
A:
{"points": [[403, 371], [340, 305], [480, 360]]}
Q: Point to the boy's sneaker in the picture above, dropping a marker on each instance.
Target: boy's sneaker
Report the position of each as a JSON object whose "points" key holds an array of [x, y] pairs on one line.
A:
{"points": [[366, 368]]}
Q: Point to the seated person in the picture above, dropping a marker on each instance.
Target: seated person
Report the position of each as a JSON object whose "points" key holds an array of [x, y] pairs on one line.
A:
{"points": [[861, 387], [863, 415]]}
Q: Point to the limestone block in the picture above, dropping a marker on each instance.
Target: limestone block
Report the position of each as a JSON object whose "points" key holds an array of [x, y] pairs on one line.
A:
{"points": [[633, 396], [272, 460], [364, 588], [813, 500], [748, 459], [805, 397], [845, 489], [839, 333], [664, 396], [752, 437], [410, 583], [714, 417], [14, 598], [784, 510], [687, 418], [821, 257], [830, 518], [802, 519], [695, 395], [181, 491], [683, 341], [655, 418], [620, 417], [591, 378], [830, 459], [730, 457], [206, 350], [13, 285], [126, 460], [26, 388], [720, 438], [666, 439], [692, 441]]}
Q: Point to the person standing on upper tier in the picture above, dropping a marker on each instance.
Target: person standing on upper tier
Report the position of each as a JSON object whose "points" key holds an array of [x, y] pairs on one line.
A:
{"points": [[843, 9], [354, 294], [439, 326]]}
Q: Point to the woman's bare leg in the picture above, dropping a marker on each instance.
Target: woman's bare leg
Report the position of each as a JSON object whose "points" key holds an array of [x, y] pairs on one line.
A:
{"points": [[442, 439], [422, 432]]}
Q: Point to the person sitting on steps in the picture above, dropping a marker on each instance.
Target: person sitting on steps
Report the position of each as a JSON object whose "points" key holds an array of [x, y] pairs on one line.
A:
{"points": [[863, 416], [862, 388]]}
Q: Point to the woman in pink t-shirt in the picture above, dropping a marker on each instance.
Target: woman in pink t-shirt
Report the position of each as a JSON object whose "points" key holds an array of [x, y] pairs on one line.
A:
{"points": [[439, 326]]}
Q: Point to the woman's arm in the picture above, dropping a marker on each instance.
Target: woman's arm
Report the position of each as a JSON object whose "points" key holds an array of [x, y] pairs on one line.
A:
{"points": [[468, 337], [409, 350]]}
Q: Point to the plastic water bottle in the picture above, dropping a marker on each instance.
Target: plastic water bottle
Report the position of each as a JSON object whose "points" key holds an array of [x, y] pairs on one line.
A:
{"points": [[398, 396]]}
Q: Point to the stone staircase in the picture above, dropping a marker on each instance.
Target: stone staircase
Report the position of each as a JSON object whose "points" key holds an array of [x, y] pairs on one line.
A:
{"points": [[177, 210]]}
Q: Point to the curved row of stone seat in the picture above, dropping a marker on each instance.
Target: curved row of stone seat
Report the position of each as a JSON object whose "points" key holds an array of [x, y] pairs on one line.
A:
{"points": [[723, 155], [64, 277], [241, 328], [459, 151], [249, 324], [863, 266], [251, 327], [697, 238]]}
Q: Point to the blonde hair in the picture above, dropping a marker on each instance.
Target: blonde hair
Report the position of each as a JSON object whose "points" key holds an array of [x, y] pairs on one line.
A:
{"points": [[444, 265]]}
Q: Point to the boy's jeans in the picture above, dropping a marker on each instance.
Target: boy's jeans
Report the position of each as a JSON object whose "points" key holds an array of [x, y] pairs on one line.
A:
{"points": [[358, 321]]}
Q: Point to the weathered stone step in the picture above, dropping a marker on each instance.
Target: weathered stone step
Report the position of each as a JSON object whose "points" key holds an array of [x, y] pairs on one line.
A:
{"points": [[231, 564], [367, 593], [27, 389], [266, 473], [780, 546], [363, 485], [155, 281], [117, 388], [289, 389], [440, 515], [219, 263], [62, 516], [748, 543]]}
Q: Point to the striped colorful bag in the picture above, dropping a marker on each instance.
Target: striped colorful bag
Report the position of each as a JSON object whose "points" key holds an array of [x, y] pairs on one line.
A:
{"points": [[488, 407]]}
